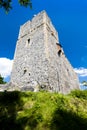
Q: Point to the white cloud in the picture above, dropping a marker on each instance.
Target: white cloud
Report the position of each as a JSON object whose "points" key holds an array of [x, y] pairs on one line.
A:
{"points": [[5, 67], [82, 72]]}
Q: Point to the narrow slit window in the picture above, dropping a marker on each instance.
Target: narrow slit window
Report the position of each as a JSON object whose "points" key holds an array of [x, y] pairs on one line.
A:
{"points": [[28, 41], [25, 71]]}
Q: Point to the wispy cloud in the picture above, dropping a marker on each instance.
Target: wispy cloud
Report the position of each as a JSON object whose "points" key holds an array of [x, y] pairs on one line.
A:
{"points": [[5, 67], [82, 72]]}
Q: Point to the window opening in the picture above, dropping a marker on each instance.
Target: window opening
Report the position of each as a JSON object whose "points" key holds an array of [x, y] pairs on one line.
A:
{"points": [[59, 52], [59, 47], [25, 71], [28, 41]]}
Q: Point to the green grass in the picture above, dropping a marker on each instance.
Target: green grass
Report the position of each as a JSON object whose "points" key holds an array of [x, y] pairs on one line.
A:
{"points": [[43, 111]]}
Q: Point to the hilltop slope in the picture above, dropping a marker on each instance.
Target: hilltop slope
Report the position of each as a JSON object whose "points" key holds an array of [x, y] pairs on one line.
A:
{"points": [[43, 111]]}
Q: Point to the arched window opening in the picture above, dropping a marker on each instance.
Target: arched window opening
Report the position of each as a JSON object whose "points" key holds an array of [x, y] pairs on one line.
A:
{"points": [[60, 50]]}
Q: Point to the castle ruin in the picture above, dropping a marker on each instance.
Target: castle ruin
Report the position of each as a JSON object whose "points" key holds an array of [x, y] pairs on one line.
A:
{"points": [[39, 60]]}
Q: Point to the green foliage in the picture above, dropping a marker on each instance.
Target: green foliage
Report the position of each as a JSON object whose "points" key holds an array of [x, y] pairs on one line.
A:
{"points": [[10, 104], [2, 80], [7, 4], [84, 83], [43, 111], [25, 3], [67, 120], [79, 94]]}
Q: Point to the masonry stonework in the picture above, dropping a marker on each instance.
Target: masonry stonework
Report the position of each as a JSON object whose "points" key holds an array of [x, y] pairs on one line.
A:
{"points": [[37, 63]]}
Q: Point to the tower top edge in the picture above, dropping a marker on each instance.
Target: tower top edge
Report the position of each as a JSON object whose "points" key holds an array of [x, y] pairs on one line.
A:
{"points": [[34, 17], [36, 21]]}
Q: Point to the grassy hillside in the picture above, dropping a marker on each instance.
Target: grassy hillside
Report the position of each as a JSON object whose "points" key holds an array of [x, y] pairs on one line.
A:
{"points": [[43, 111]]}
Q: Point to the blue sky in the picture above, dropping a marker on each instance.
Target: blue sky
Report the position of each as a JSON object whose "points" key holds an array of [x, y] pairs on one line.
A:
{"points": [[70, 20]]}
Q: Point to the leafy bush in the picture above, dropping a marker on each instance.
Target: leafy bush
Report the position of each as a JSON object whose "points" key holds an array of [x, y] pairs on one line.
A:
{"points": [[79, 94]]}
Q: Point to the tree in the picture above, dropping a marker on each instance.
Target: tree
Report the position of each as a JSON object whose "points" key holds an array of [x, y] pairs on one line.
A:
{"points": [[84, 83], [7, 4], [2, 80]]}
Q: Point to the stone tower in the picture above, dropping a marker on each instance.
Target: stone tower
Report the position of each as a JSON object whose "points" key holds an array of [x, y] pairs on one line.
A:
{"points": [[39, 61]]}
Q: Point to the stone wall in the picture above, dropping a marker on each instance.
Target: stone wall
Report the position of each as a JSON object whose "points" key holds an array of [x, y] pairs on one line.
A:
{"points": [[37, 64]]}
